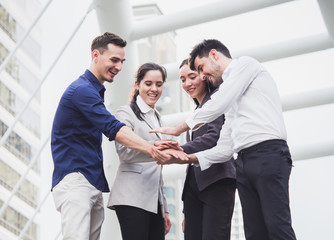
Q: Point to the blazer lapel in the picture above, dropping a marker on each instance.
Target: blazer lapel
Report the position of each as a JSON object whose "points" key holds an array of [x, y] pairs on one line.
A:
{"points": [[151, 125]]}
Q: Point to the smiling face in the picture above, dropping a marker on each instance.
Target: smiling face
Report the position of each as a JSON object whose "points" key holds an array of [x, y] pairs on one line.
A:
{"points": [[150, 87], [107, 65], [192, 84], [209, 68]]}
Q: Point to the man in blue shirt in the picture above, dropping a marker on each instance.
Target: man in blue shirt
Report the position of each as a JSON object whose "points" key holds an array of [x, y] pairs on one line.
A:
{"points": [[78, 179]]}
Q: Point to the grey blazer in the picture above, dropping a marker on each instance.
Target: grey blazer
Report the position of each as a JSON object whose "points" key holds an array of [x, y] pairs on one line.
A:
{"points": [[138, 182]]}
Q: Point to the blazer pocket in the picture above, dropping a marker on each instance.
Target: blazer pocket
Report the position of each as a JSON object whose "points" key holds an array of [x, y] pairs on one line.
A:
{"points": [[136, 168]]}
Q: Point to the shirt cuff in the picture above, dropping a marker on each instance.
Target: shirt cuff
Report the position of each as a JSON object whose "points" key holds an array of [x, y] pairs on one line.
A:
{"points": [[190, 122], [116, 129], [203, 163]]}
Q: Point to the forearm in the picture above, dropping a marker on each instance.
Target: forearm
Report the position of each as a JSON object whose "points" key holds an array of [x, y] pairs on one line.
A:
{"points": [[182, 127], [193, 159], [129, 155], [128, 138], [174, 131]]}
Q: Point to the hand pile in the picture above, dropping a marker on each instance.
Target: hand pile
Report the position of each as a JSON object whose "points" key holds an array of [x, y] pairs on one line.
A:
{"points": [[168, 152]]}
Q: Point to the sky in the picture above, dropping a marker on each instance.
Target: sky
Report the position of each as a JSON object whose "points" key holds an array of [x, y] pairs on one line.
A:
{"points": [[311, 191]]}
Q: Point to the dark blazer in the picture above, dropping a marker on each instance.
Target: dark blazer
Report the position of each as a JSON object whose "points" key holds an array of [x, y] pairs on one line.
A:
{"points": [[204, 138]]}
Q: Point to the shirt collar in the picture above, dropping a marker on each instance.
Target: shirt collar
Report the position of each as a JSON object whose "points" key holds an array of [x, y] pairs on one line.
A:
{"points": [[228, 68], [144, 108], [95, 82]]}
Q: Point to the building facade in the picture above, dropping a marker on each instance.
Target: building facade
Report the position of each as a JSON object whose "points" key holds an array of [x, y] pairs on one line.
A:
{"points": [[237, 229], [18, 81]]}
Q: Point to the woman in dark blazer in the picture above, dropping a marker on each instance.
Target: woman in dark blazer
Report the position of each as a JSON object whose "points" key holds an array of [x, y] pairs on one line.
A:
{"points": [[208, 196]]}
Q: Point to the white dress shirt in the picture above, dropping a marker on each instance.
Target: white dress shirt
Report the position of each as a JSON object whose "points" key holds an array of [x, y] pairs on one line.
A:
{"points": [[152, 114], [251, 103], [149, 112]]}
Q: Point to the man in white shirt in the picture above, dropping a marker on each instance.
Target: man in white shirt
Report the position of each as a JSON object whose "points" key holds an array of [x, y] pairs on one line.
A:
{"points": [[254, 128]]}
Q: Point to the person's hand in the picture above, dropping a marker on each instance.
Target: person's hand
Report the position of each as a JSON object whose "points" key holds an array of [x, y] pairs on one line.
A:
{"points": [[166, 144], [175, 156], [168, 223], [159, 155], [183, 225], [178, 154], [166, 130]]}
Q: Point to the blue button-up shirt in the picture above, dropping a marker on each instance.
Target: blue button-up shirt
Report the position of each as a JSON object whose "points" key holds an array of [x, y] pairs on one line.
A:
{"points": [[77, 129]]}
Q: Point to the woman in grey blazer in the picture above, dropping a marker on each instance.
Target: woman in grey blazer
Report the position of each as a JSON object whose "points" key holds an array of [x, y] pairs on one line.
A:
{"points": [[208, 196], [137, 194]]}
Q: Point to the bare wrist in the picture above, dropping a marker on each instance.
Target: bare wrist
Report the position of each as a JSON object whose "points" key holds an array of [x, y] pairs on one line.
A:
{"points": [[193, 159], [150, 149]]}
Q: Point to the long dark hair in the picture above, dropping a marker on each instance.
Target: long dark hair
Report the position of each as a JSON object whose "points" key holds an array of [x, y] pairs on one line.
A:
{"points": [[141, 72], [209, 86]]}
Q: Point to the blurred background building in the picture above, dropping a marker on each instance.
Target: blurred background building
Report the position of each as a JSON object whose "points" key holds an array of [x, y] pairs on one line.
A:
{"points": [[19, 79]]}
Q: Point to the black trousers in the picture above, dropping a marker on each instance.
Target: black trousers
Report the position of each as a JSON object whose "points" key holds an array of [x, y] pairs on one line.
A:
{"points": [[208, 213], [139, 224], [263, 173]]}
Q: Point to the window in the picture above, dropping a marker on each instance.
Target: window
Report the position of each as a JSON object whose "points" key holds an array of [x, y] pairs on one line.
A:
{"points": [[171, 210], [31, 47], [172, 229], [7, 98], [9, 178], [7, 23], [15, 222], [17, 146], [169, 192], [12, 67]]}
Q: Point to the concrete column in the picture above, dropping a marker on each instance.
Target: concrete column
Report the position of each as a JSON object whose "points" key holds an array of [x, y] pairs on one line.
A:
{"points": [[327, 9], [117, 17], [198, 15]]}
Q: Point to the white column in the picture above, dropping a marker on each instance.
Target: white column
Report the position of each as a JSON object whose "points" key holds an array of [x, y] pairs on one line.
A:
{"points": [[117, 17], [198, 15], [327, 9]]}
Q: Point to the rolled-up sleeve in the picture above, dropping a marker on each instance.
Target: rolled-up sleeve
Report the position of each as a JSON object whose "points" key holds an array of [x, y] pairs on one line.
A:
{"points": [[91, 105], [125, 114]]}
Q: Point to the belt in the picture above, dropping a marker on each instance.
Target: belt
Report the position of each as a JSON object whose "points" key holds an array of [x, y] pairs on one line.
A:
{"points": [[263, 144]]}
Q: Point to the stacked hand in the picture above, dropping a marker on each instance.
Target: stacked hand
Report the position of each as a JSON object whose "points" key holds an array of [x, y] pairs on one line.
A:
{"points": [[169, 151], [166, 144], [172, 151]]}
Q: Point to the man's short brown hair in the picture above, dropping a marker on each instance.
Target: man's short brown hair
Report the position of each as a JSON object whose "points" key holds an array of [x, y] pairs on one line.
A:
{"points": [[101, 42]]}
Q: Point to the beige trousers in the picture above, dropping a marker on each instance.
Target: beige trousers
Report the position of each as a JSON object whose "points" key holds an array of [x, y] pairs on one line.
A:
{"points": [[81, 207]]}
